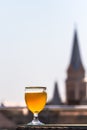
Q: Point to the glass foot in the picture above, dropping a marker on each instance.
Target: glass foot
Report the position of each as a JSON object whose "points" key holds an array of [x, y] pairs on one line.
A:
{"points": [[35, 120], [35, 123]]}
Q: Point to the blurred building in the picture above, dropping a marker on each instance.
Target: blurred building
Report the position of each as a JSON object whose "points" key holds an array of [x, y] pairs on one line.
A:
{"points": [[75, 84], [56, 99]]}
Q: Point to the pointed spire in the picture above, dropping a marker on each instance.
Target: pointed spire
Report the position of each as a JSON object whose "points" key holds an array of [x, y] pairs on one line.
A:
{"points": [[56, 100], [75, 58]]}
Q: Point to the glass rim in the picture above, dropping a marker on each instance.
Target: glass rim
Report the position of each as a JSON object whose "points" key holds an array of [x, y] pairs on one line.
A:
{"points": [[35, 87]]}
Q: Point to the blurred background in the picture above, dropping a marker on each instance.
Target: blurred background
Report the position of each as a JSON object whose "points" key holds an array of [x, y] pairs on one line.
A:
{"points": [[43, 43]]}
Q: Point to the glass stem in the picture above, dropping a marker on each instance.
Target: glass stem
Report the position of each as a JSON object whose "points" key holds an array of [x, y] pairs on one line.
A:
{"points": [[35, 117]]}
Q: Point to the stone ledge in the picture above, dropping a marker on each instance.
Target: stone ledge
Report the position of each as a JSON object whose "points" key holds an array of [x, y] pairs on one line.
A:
{"points": [[54, 127]]}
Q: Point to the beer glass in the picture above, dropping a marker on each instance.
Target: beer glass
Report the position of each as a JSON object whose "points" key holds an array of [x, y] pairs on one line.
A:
{"points": [[35, 98]]}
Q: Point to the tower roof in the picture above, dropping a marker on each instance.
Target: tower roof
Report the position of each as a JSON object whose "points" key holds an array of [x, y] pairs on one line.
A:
{"points": [[75, 58], [56, 100]]}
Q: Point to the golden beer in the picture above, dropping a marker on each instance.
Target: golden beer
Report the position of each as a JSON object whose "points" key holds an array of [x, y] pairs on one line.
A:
{"points": [[35, 98], [35, 101]]}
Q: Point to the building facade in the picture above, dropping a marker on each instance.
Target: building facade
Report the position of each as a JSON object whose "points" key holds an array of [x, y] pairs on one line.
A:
{"points": [[75, 84]]}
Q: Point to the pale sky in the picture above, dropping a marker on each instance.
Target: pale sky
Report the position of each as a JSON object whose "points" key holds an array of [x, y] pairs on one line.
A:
{"points": [[36, 38]]}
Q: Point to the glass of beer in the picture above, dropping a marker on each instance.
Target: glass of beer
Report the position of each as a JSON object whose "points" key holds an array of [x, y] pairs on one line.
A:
{"points": [[35, 98]]}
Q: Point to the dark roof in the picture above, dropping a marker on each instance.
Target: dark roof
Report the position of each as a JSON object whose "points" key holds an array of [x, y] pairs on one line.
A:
{"points": [[75, 58], [5, 122], [56, 100]]}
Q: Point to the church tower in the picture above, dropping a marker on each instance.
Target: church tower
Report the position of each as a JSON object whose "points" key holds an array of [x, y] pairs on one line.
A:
{"points": [[75, 85], [56, 99]]}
